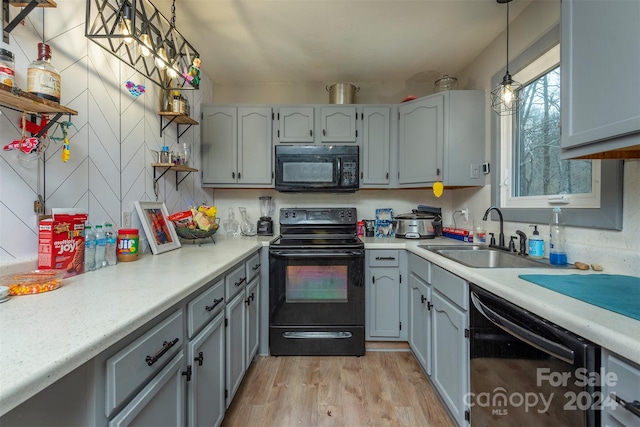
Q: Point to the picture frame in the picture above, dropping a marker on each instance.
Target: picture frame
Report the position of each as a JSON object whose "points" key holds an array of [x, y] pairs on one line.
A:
{"points": [[159, 230]]}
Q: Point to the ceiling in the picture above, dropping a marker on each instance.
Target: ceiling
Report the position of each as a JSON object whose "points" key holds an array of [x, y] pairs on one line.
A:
{"points": [[302, 41]]}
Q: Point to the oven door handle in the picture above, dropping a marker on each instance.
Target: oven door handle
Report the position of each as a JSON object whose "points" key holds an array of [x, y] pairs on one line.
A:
{"points": [[306, 254], [541, 343]]}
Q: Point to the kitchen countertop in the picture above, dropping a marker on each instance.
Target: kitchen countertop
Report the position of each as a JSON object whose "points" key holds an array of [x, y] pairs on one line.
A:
{"points": [[44, 337]]}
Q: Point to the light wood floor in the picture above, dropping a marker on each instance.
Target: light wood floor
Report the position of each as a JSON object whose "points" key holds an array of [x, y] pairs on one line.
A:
{"points": [[382, 388]]}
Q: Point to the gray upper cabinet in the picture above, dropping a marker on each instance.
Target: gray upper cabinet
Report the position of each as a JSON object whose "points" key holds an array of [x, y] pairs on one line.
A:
{"points": [[296, 124], [442, 136], [600, 57], [338, 124], [378, 137], [236, 146]]}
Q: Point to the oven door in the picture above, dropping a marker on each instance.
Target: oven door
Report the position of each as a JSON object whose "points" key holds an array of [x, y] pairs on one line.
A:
{"points": [[316, 301]]}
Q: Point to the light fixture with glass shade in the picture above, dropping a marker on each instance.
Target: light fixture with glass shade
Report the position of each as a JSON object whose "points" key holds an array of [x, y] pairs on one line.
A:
{"points": [[161, 56], [505, 97], [129, 30]]}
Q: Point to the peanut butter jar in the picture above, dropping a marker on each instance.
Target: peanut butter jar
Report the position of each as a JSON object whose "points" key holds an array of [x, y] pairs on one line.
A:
{"points": [[127, 245]]}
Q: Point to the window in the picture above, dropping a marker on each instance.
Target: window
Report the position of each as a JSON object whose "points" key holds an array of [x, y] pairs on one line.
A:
{"points": [[530, 142], [528, 176]]}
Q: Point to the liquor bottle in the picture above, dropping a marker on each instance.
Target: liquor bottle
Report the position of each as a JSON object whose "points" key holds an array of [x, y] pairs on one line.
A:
{"points": [[43, 79]]}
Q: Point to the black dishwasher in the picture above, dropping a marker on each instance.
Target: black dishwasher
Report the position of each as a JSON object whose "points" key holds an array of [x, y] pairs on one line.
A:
{"points": [[527, 371]]}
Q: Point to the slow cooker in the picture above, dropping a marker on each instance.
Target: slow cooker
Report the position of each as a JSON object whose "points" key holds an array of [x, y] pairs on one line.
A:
{"points": [[418, 225]]}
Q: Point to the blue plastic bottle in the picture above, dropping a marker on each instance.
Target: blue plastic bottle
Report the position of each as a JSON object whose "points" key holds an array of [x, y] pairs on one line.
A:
{"points": [[557, 239]]}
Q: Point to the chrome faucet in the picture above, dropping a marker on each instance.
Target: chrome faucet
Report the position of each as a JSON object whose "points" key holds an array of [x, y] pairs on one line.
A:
{"points": [[501, 236]]}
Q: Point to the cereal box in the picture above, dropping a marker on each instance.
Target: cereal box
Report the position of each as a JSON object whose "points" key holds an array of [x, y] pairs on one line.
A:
{"points": [[61, 243]]}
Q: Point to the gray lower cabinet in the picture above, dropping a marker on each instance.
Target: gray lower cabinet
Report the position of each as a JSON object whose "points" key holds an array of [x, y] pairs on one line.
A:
{"points": [[236, 146], [450, 345], [599, 117], [441, 137], [378, 146], [620, 382], [420, 311], [160, 403], [236, 342], [383, 292], [252, 300]]}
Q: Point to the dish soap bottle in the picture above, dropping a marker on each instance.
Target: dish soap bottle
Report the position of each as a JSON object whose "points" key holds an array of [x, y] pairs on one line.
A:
{"points": [[536, 243], [557, 239]]}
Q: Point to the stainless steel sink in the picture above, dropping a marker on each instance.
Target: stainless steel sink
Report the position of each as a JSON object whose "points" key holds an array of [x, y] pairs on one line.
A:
{"points": [[485, 257]]}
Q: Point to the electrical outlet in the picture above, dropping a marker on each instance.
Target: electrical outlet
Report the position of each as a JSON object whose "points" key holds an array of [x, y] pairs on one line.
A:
{"points": [[126, 219], [474, 171], [465, 212]]}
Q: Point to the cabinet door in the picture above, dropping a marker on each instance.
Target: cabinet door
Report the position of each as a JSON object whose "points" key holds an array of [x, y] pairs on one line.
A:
{"points": [[206, 404], [421, 140], [384, 303], [602, 37], [420, 320], [338, 124], [252, 299], [254, 145], [160, 403], [296, 124], [235, 345], [219, 151], [450, 355], [376, 147]]}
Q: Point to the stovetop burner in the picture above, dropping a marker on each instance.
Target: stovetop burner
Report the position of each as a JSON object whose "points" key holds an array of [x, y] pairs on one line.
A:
{"points": [[318, 228]]}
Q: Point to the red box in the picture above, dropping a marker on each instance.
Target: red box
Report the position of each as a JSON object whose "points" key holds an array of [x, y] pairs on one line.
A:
{"points": [[61, 243]]}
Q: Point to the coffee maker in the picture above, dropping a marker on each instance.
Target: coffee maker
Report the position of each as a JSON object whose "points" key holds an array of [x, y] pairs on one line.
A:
{"points": [[265, 223]]}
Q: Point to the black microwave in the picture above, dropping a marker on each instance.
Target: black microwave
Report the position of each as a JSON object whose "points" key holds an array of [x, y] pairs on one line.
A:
{"points": [[317, 168]]}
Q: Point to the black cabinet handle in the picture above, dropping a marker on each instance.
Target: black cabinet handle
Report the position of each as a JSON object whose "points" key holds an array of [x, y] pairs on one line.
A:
{"points": [[361, 175], [199, 359], [240, 282], [215, 303], [187, 373], [255, 267], [233, 175], [387, 175], [238, 175], [324, 132], [310, 132], [165, 347], [250, 298], [429, 305], [422, 299], [385, 258]]}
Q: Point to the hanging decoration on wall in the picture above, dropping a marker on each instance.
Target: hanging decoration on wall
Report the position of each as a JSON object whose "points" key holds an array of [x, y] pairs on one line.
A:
{"points": [[135, 32], [192, 75], [64, 126], [134, 89]]}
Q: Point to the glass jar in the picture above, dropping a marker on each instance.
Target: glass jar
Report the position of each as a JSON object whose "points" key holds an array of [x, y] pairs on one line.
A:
{"points": [[7, 65], [43, 79], [446, 83]]}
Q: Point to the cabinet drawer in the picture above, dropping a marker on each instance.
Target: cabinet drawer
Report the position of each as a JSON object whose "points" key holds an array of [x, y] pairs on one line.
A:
{"points": [[383, 258], [253, 267], [420, 267], [235, 281], [205, 307], [451, 286], [132, 366], [626, 387]]}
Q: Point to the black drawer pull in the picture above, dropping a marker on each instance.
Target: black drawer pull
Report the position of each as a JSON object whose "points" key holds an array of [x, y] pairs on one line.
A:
{"points": [[240, 282], [422, 299], [215, 303], [165, 347], [385, 258], [633, 407], [255, 267]]}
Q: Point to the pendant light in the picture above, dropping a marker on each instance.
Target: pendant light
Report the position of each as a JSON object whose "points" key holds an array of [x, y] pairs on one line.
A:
{"points": [[161, 56], [505, 97], [126, 27]]}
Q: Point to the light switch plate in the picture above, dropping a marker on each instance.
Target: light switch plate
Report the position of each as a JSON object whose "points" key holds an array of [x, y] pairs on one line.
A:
{"points": [[126, 219]]}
